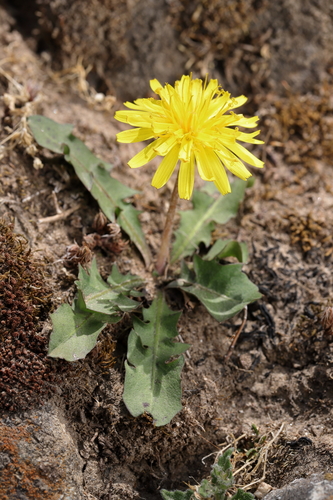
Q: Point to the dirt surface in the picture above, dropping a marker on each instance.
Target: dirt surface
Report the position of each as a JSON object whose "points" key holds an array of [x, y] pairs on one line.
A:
{"points": [[279, 377]]}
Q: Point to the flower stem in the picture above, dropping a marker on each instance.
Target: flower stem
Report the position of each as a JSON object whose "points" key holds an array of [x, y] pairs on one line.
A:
{"points": [[163, 255]]}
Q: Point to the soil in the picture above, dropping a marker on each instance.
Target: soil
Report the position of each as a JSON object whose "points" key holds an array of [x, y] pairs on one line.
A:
{"points": [[279, 376]]}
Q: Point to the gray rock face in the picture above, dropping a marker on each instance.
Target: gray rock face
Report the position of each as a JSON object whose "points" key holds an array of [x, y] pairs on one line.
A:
{"points": [[300, 41], [38, 457], [315, 487], [128, 42]]}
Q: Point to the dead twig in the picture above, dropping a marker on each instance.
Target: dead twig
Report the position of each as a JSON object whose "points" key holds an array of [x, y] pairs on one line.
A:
{"points": [[234, 340], [62, 215]]}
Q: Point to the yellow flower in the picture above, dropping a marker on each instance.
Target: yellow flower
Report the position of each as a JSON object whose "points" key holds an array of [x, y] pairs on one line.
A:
{"points": [[191, 123]]}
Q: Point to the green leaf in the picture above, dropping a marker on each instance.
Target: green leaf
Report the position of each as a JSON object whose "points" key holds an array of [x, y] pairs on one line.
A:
{"points": [[222, 471], [129, 221], [228, 248], [177, 495], [206, 490], [242, 495], [49, 134], [255, 429], [196, 225], [107, 298], [75, 330], [223, 290], [94, 174], [152, 380], [251, 452], [221, 478]]}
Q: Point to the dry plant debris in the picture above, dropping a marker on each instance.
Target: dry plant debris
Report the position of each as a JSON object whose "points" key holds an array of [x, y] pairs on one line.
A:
{"points": [[106, 236], [310, 233], [210, 28], [251, 456], [301, 124], [76, 76], [20, 101], [326, 320]]}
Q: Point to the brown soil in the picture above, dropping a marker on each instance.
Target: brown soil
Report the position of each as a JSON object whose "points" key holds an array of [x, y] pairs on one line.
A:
{"points": [[281, 370]]}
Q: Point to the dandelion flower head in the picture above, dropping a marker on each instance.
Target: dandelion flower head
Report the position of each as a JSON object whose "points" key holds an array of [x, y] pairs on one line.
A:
{"points": [[192, 123]]}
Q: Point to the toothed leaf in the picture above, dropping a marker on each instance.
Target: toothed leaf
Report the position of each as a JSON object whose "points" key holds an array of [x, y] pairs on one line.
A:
{"points": [[110, 297], [152, 381], [75, 330], [223, 290]]}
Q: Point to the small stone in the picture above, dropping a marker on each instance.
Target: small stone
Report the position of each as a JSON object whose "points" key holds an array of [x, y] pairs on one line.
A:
{"points": [[246, 360], [5, 459], [99, 97], [262, 490], [31, 150], [37, 163]]}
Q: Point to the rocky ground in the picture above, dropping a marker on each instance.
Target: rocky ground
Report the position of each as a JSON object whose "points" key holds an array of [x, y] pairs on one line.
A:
{"points": [[65, 432]]}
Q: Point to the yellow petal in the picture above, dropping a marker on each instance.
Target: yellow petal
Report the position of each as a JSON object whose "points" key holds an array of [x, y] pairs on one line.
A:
{"points": [[178, 109], [211, 89], [140, 119], [185, 149], [241, 121], [239, 170], [221, 181], [220, 121], [227, 135], [220, 178], [238, 101], [121, 116], [218, 105], [208, 137], [163, 92], [184, 88], [135, 135], [164, 128], [144, 156], [130, 105], [233, 164], [196, 91], [155, 85], [166, 168], [249, 138], [245, 155], [203, 165], [151, 105], [165, 145], [186, 179]]}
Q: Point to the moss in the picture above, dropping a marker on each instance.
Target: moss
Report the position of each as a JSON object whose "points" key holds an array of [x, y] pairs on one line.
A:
{"points": [[25, 299]]}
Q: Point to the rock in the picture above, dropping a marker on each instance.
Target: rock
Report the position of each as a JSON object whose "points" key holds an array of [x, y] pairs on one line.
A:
{"points": [[300, 41], [126, 43], [315, 487], [262, 490], [38, 457], [122, 41]]}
